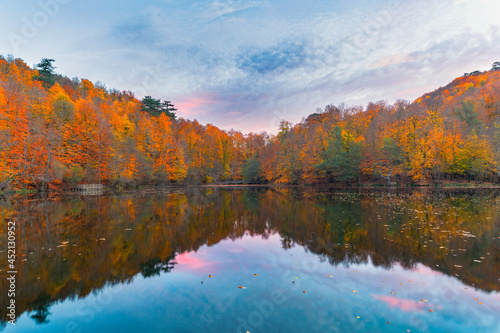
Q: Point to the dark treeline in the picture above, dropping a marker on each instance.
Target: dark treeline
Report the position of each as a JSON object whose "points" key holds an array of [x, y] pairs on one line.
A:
{"points": [[56, 131]]}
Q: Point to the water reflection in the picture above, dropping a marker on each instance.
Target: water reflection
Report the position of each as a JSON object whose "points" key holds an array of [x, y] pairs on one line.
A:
{"points": [[72, 247]]}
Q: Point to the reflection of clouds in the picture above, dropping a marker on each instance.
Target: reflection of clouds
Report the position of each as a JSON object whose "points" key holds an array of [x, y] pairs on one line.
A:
{"points": [[191, 262], [236, 262], [427, 271], [179, 300], [406, 305]]}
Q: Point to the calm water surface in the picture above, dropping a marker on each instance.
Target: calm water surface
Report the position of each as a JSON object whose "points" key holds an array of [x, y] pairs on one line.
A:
{"points": [[257, 260]]}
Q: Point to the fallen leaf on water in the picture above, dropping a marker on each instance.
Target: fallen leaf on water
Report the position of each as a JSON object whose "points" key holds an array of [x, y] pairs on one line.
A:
{"points": [[387, 322]]}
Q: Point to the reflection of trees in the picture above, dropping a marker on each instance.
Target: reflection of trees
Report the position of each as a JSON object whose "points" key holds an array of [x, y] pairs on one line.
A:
{"points": [[96, 242], [41, 309], [156, 266]]}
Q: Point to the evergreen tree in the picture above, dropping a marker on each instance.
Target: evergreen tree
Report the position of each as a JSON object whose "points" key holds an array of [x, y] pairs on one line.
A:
{"points": [[155, 107], [343, 156], [151, 105], [169, 109], [252, 172], [46, 72]]}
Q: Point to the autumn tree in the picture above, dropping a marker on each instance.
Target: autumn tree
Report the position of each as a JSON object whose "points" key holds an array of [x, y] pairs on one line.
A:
{"points": [[55, 131], [289, 168], [391, 158], [466, 112], [475, 157], [343, 156]]}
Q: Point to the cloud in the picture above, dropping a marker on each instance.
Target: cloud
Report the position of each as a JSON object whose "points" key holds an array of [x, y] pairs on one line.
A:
{"points": [[195, 105], [139, 33], [285, 56], [244, 64], [220, 8], [405, 305]]}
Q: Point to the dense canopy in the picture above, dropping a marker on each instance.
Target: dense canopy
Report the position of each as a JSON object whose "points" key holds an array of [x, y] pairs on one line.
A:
{"points": [[56, 131]]}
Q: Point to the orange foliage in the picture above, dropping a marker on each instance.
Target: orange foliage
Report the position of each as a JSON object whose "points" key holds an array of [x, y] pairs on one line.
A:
{"points": [[79, 132]]}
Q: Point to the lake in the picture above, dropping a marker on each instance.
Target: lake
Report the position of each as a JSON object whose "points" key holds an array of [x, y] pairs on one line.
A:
{"points": [[256, 259]]}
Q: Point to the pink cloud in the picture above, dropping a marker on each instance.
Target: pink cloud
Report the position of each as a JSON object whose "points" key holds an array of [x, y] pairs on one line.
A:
{"points": [[418, 90], [189, 261], [397, 59], [406, 305], [190, 106]]}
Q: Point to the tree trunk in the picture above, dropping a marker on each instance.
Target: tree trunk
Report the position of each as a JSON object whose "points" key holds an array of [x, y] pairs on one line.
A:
{"points": [[44, 181], [99, 162]]}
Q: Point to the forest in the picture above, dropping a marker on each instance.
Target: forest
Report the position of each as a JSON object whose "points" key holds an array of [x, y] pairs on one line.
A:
{"points": [[56, 132]]}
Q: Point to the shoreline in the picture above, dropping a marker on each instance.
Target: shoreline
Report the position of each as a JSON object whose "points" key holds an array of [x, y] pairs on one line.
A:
{"points": [[151, 189]]}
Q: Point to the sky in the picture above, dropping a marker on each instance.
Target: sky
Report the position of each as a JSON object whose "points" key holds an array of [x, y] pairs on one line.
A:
{"points": [[249, 64]]}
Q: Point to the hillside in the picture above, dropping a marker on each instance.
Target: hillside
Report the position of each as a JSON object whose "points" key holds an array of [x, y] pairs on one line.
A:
{"points": [[451, 133], [56, 131]]}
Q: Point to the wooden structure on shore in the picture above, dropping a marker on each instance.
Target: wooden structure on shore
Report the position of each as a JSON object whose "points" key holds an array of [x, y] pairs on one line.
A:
{"points": [[89, 189]]}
